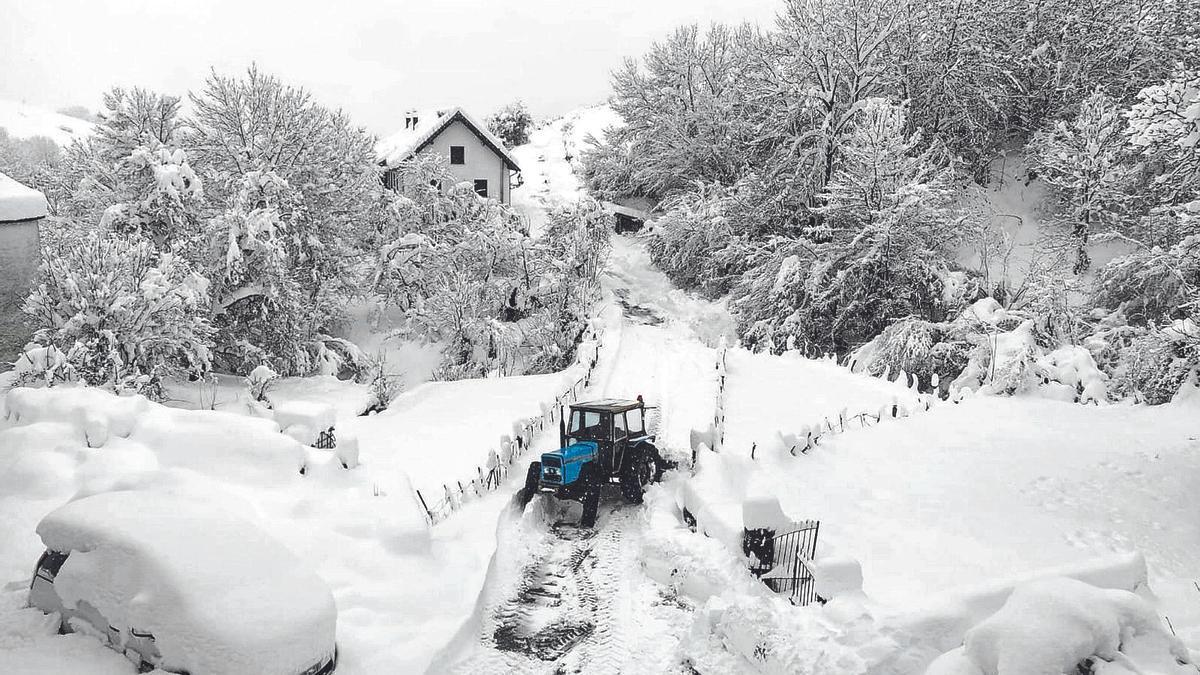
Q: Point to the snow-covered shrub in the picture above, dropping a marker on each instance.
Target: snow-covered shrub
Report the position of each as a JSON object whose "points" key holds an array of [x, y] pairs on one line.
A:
{"points": [[1156, 364], [466, 274], [918, 347], [259, 382], [1152, 285], [699, 239], [123, 314], [511, 124]]}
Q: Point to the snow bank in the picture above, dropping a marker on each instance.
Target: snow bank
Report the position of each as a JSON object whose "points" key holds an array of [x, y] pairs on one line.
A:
{"points": [[217, 593], [1053, 626], [18, 202]]}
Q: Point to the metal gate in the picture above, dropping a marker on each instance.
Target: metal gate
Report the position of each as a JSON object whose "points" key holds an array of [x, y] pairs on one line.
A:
{"points": [[781, 561]]}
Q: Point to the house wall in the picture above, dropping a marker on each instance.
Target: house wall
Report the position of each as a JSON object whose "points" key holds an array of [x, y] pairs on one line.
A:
{"points": [[481, 161], [19, 258]]}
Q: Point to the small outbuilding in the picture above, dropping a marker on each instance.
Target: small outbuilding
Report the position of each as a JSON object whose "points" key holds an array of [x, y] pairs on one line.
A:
{"points": [[22, 210], [628, 218]]}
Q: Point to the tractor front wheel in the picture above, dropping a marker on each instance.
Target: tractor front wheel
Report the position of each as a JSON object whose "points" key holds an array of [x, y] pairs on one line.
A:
{"points": [[590, 497], [532, 477]]}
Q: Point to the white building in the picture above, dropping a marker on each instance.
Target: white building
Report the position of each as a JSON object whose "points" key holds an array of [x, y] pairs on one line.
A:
{"points": [[474, 154], [22, 210]]}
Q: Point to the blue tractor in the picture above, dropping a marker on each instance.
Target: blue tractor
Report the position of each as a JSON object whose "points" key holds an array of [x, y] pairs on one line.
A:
{"points": [[600, 442]]}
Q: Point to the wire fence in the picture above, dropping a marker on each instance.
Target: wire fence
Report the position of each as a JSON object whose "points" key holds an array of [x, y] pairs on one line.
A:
{"points": [[498, 465]]}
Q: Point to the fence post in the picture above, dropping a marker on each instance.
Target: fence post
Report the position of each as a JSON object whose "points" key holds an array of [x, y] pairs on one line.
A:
{"points": [[425, 506]]}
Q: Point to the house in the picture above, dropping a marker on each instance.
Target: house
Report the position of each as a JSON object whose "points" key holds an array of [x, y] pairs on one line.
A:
{"points": [[475, 155], [22, 210]]}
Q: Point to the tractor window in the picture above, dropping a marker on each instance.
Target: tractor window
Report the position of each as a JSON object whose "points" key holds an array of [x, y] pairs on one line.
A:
{"points": [[585, 423], [635, 422], [619, 430]]}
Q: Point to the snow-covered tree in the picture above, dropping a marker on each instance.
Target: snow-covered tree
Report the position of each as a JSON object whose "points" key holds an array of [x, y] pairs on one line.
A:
{"points": [[1164, 125], [834, 54], [288, 181], [880, 254], [1084, 163], [130, 164], [124, 314], [687, 113], [511, 124]]}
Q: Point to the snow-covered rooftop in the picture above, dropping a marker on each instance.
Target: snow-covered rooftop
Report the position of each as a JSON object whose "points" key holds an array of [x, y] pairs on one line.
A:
{"points": [[18, 202], [410, 140], [218, 594]]}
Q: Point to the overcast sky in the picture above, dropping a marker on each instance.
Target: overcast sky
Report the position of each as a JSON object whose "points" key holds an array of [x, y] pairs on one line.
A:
{"points": [[373, 58]]}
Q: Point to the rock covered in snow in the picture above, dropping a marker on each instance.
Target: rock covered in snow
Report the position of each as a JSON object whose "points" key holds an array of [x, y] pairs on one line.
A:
{"points": [[218, 594]]}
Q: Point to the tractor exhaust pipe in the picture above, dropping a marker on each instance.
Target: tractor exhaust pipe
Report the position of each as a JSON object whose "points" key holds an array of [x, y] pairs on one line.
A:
{"points": [[562, 429]]}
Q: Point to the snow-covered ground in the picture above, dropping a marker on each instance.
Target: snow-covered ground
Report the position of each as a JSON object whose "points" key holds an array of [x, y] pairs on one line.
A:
{"points": [[21, 120], [947, 507]]}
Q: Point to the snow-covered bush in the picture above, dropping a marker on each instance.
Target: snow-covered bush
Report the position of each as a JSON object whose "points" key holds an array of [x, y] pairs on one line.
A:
{"points": [[699, 240], [466, 274], [511, 124], [123, 314], [921, 348], [1157, 363]]}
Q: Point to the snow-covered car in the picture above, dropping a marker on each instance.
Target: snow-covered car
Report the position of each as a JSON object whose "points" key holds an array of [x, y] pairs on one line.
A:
{"points": [[184, 587]]}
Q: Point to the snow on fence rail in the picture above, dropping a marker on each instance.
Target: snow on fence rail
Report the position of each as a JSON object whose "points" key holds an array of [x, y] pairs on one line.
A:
{"points": [[499, 463]]}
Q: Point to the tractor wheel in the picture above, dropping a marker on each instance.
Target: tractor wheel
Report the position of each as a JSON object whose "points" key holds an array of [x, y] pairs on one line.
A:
{"points": [[591, 497], [531, 482], [635, 476]]}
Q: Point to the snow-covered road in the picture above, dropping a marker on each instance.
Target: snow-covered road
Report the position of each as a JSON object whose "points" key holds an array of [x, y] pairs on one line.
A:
{"points": [[563, 599]]}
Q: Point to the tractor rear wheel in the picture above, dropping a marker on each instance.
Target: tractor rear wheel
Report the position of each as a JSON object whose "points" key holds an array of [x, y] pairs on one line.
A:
{"points": [[531, 482], [636, 475]]}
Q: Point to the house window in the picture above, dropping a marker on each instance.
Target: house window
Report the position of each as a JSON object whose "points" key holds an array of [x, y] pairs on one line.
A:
{"points": [[458, 154], [481, 187]]}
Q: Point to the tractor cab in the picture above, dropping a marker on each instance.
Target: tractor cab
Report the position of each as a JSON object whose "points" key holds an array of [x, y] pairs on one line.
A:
{"points": [[600, 442], [612, 425]]}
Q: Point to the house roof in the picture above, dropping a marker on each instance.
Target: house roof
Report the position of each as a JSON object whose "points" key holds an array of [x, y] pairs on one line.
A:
{"points": [[18, 202], [408, 142]]}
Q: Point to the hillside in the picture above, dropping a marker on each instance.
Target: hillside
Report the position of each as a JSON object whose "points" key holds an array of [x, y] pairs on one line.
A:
{"points": [[21, 120]]}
